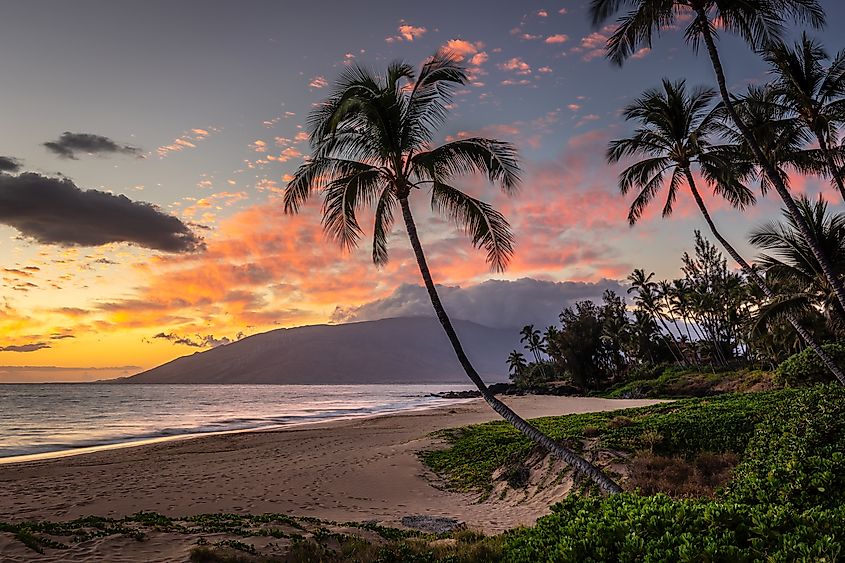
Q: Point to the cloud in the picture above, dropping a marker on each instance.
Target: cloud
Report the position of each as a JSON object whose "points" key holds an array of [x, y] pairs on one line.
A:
{"points": [[461, 48], [32, 347], [641, 53], [56, 211], [187, 140], [70, 145], [407, 32], [495, 303], [557, 38], [318, 82], [9, 164], [516, 65], [593, 46], [201, 341]]}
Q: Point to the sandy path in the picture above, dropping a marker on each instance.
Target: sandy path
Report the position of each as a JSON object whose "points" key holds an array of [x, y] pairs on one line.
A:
{"points": [[363, 469]]}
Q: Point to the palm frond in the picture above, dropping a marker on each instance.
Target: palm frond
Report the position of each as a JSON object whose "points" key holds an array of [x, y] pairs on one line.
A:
{"points": [[343, 197], [488, 228], [430, 98], [495, 159], [314, 175], [382, 224]]}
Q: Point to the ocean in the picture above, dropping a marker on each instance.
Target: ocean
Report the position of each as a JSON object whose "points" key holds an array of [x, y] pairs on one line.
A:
{"points": [[60, 418]]}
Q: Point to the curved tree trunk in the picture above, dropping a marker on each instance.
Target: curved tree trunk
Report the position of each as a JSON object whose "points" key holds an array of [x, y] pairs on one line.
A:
{"points": [[761, 283], [834, 171], [767, 166], [558, 450]]}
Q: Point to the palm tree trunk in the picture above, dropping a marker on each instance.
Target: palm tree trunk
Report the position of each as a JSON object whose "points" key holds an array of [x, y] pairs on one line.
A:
{"points": [[834, 171], [679, 357], [605, 483], [768, 168], [755, 277]]}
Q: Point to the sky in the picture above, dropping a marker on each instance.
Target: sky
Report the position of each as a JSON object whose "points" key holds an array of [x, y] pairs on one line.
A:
{"points": [[148, 144]]}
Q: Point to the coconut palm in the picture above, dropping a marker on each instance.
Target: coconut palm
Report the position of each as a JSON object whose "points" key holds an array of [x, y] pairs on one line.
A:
{"points": [[780, 136], [533, 341], [814, 91], [371, 145], [788, 262], [759, 22], [673, 136], [516, 364], [647, 298]]}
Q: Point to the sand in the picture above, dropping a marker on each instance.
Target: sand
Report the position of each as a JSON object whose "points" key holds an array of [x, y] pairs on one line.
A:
{"points": [[348, 470]]}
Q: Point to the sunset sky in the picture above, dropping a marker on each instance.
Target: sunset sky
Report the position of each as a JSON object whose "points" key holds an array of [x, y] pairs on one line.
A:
{"points": [[199, 108]]}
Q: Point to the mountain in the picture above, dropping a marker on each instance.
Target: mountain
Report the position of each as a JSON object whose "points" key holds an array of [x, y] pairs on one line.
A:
{"points": [[398, 350]]}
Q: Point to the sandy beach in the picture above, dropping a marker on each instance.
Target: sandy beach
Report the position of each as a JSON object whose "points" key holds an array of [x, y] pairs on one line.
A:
{"points": [[350, 470]]}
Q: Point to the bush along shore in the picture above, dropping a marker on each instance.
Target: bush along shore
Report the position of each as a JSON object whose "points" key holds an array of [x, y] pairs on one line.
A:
{"points": [[737, 477]]}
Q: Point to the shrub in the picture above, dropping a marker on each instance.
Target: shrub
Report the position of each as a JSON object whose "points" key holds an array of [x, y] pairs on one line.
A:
{"points": [[797, 455], [786, 503], [805, 367], [629, 527], [679, 428]]}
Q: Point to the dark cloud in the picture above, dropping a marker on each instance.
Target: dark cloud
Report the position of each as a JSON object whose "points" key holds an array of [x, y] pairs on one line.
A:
{"points": [[9, 164], [201, 341], [494, 303], [25, 347], [69, 145], [61, 336], [55, 211]]}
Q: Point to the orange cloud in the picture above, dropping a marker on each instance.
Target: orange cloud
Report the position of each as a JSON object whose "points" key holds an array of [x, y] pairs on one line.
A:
{"points": [[407, 32]]}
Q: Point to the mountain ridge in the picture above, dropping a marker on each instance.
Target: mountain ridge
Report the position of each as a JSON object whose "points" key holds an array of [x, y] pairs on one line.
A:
{"points": [[385, 351]]}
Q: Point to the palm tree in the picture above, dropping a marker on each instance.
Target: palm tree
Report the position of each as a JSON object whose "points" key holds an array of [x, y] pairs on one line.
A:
{"points": [[533, 341], [647, 298], [516, 364], [371, 145], [789, 263], [759, 22], [673, 133], [814, 92], [779, 135]]}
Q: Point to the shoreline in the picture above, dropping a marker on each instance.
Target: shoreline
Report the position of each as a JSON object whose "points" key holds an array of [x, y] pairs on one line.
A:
{"points": [[360, 469], [145, 441]]}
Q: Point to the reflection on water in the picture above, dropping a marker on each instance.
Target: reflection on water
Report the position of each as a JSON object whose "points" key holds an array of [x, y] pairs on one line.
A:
{"points": [[56, 417]]}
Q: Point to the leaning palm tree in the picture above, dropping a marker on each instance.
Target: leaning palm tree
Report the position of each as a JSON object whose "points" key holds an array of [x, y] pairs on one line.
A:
{"points": [[673, 135], [779, 135], [371, 145], [758, 22], [814, 91]]}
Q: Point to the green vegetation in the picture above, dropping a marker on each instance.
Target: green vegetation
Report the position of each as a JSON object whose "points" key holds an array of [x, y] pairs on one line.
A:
{"points": [[686, 427], [673, 381], [805, 368], [784, 503]]}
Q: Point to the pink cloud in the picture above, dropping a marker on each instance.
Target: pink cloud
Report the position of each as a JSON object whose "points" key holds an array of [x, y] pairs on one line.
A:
{"points": [[461, 48], [407, 32], [318, 82], [593, 46], [557, 38], [517, 66], [187, 140]]}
